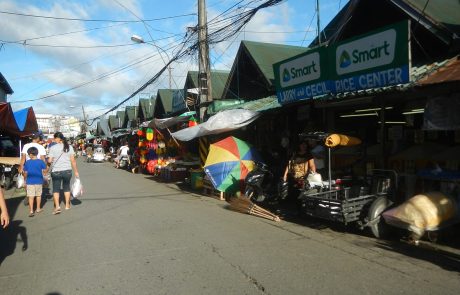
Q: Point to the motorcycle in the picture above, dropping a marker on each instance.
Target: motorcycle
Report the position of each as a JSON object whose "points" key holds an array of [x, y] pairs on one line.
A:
{"points": [[262, 188], [9, 174], [111, 155], [124, 162]]}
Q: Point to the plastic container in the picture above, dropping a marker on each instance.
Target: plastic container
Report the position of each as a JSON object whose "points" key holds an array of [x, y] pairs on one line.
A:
{"points": [[196, 179]]}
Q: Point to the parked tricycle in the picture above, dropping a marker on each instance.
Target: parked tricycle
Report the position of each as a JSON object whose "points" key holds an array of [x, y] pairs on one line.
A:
{"points": [[345, 202]]}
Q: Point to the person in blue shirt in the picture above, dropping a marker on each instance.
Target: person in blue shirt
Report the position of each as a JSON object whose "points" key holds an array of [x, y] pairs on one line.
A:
{"points": [[34, 169]]}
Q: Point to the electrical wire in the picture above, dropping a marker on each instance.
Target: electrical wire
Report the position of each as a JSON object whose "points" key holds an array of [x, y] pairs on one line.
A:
{"points": [[69, 46], [67, 33], [102, 76], [308, 28], [96, 20]]}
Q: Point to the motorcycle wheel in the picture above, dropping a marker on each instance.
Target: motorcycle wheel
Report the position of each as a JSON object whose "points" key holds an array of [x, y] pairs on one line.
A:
{"points": [[380, 230], [6, 182]]}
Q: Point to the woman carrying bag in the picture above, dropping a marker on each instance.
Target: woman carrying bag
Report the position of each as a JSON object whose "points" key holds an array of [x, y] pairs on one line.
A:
{"points": [[61, 157]]}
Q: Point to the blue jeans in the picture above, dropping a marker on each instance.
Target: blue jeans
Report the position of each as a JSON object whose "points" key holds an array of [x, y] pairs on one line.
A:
{"points": [[61, 178]]}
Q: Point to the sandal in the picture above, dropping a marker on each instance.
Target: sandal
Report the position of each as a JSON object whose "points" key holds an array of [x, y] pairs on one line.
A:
{"points": [[38, 211], [31, 214], [56, 211], [68, 208]]}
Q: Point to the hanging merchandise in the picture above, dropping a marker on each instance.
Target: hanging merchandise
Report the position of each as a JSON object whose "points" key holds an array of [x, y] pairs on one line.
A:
{"points": [[192, 122], [151, 164], [149, 134], [140, 132]]}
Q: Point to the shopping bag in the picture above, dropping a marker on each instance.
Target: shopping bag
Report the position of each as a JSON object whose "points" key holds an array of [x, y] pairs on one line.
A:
{"points": [[20, 181], [77, 188]]}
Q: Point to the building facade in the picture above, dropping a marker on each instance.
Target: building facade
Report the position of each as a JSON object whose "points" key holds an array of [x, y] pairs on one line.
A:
{"points": [[49, 124]]}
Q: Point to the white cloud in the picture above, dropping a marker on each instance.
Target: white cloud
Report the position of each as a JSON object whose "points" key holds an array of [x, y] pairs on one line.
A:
{"points": [[126, 6], [267, 25], [69, 67]]}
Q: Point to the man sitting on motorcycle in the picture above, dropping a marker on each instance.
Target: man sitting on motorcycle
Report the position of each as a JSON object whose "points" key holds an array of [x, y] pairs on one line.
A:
{"points": [[122, 152]]}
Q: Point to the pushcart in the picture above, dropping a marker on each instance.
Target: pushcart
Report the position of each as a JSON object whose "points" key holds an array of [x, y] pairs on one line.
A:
{"points": [[360, 204]]}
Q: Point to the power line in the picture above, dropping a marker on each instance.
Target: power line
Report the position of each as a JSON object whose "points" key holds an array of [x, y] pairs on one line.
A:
{"points": [[67, 46], [103, 76], [96, 20], [67, 33]]}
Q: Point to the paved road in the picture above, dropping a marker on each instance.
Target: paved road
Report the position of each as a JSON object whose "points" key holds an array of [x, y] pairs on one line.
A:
{"points": [[133, 235]]}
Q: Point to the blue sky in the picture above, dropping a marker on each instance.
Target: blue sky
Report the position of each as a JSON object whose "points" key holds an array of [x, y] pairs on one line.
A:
{"points": [[43, 56]]}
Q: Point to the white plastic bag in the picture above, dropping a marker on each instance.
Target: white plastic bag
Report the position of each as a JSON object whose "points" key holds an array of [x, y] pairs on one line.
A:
{"points": [[20, 181], [77, 188]]}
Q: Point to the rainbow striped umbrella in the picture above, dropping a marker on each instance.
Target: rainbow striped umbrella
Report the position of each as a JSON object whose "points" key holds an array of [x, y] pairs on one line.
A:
{"points": [[228, 163]]}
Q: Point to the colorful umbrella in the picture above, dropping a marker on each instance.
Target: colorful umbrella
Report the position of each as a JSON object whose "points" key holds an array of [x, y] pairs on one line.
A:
{"points": [[228, 163]]}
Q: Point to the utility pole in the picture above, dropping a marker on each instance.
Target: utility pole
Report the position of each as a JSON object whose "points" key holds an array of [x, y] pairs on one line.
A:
{"points": [[204, 72], [83, 124], [318, 26], [169, 73]]}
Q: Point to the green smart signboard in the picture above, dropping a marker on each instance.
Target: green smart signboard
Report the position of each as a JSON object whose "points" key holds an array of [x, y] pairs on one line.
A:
{"points": [[377, 59], [302, 76]]}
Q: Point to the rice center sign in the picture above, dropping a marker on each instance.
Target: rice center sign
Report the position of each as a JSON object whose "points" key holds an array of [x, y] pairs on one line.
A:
{"points": [[377, 59], [302, 76]]}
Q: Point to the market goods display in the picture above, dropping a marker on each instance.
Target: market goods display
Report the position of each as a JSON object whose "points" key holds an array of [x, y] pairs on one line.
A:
{"points": [[244, 205]]}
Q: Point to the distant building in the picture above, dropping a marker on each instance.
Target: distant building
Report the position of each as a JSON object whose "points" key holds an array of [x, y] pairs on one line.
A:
{"points": [[49, 124], [5, 89]]}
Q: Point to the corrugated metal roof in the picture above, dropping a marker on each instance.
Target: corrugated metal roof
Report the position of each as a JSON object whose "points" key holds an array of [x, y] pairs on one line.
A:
{"points": [[252, 76], [448, 71], [439, 17], [132, 112], [121, 115], [113, 122], [218, 105], [259, 105], [165, 96], [146, 107], [218, 80], [445, 12], [266, 54]]}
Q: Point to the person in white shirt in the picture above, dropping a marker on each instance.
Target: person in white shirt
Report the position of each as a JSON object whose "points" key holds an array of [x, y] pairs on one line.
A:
{"points": [[122, 151], [27, 146]]}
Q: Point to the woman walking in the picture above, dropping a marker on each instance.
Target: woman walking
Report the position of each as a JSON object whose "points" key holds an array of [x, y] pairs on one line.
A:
{"points": [[61, 157]]}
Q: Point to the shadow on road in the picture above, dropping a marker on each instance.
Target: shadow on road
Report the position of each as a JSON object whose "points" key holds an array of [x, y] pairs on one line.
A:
{"points": [[445, 259], [10, 237], [15, 233]]}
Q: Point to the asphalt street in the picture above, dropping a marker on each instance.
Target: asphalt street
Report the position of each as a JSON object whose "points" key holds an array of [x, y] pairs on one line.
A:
{"points": [[130, 234]]}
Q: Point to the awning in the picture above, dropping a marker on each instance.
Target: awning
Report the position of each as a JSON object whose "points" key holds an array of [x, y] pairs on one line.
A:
{"points": [[168, 122], [26, 121], [20, 123], [7, 121], [221, 122]]}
